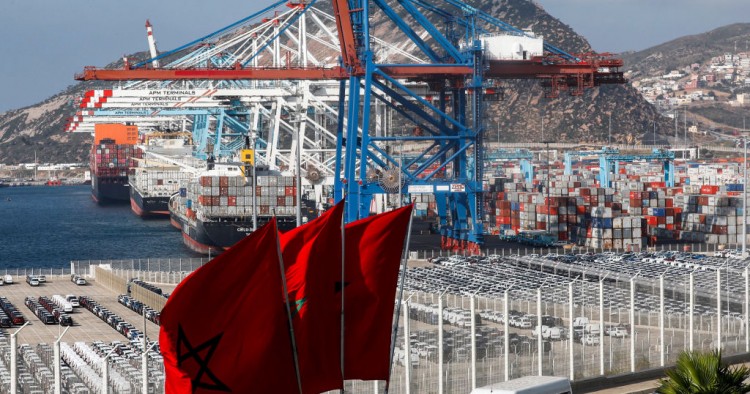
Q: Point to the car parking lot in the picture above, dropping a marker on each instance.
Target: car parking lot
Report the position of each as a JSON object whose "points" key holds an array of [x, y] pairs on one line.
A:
{"points": [[87, 327]]}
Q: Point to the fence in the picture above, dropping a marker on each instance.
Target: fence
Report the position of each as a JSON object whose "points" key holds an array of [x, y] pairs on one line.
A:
{"points": [[455, 336], [111, 280], [148, 297]]}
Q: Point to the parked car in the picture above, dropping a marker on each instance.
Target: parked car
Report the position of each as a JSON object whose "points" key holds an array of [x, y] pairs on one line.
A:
{"points": [[77, 280], [73, 300], [590, 340], [32, 280], [8, 279], [618, 332]]}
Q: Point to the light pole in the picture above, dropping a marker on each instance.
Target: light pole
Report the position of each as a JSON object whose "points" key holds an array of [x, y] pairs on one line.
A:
{"points": [[609, 133], [144, 367], [14, 360], [744, 141], [56, 351], [105, 372], [299, 177]]}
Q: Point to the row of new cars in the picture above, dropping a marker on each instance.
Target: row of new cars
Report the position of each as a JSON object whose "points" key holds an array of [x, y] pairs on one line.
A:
{"points": [[140, 308], [15, 316], [114, 321]]}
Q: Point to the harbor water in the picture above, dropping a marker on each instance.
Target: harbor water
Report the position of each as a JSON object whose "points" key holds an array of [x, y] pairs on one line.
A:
{"points": [[51, 226]]}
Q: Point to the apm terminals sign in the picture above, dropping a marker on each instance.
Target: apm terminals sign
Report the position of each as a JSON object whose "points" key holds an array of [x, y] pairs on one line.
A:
{"points": [[452, 188]]}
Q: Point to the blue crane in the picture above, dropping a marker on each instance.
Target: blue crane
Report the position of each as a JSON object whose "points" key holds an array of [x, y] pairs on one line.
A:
{"points": [[570, 155], [523, 156], [610, 163]]}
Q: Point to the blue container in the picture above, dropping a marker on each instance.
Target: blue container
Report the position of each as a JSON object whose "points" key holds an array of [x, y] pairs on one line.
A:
{"points": [[660, 212], [652, 195], [189, 203], [183, 192], [607, 223], [514, 206]]}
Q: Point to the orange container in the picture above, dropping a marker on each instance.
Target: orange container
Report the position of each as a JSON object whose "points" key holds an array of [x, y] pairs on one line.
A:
{"points": [[120, 133]]}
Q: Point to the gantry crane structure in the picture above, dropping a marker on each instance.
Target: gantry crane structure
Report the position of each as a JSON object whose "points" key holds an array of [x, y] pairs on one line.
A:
{"points": [[570, 155], [523, 156], [456, 63], [610, 163]]}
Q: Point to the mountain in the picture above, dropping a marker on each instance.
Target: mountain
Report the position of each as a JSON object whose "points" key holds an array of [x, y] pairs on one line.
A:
{"points": [[518, 116], [684, 51], [711, 67]]}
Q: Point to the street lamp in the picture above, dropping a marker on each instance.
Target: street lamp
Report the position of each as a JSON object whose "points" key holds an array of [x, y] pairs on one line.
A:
{"points": [[56, 351], [14, 360], [744, 141]]}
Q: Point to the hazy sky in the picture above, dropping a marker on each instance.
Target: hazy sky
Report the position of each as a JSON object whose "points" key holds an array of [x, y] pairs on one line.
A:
{"points": [[44, 42]]}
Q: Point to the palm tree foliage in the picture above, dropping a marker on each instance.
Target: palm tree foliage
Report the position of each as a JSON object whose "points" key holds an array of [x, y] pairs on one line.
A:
{"points": [[704, 373]]}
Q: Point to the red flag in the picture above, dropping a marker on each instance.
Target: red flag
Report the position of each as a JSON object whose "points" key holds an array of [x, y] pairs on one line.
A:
{"points": [[312, 260], [225, 327], [373, 255]]}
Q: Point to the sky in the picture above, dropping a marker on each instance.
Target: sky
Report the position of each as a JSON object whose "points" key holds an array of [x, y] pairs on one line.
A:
{"points": [[45, 42]]}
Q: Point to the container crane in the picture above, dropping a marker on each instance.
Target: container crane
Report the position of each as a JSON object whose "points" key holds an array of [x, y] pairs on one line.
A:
{"points": [[523, 156], [462, 62], [570, 155], [610, 163]]}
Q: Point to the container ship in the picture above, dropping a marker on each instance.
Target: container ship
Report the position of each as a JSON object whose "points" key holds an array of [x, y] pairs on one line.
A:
{"points": [[156, 178], [215, 211], [111, 161]]}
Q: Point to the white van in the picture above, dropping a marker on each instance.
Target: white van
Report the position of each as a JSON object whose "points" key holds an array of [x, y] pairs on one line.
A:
{"points": [[528, 385], [592, 329]]}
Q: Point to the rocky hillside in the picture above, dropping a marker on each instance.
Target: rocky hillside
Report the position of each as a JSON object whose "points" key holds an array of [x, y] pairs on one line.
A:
{"points": [[700, 56], [518, 117], [687, 50]]}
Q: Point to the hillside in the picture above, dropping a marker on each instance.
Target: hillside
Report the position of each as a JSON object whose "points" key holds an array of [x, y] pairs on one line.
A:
{"points": [[518, 117], [684, 51], [705, 73]]}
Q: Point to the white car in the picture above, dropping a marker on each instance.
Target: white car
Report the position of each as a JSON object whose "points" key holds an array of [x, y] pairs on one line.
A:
{"points": [[618, 332], [8, 279], [524, 322], [73, 300], [590, 340]]}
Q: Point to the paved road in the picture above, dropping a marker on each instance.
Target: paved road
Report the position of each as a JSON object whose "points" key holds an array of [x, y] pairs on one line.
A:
{"points": [[86, 326]]}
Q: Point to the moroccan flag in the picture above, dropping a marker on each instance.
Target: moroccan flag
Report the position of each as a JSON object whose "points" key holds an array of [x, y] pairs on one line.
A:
{"points": [[225, 327], [312, 260], [373, 255]]}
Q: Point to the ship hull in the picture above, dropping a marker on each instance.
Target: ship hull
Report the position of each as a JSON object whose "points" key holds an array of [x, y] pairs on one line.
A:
{"points": [[148, 207], [217, 236], [110, 190]]}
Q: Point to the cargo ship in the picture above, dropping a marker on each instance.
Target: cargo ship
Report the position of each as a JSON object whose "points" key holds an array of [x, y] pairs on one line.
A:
{"points": [[153, 181], [111, 161], [215, 211]]}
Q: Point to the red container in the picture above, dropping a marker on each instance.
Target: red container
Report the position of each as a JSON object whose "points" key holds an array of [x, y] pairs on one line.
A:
{"points": [[709, 189]]}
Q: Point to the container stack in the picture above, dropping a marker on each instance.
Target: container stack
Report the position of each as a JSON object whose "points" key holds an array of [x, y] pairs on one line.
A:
{"points": [[159, 181], [424, 205], [111, 159], [712, 218], [232, 196]]}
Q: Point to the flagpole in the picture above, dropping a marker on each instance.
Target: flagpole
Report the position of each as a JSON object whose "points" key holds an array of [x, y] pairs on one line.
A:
{"points": [[343, 286], [286, 303], [404, 260]]}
